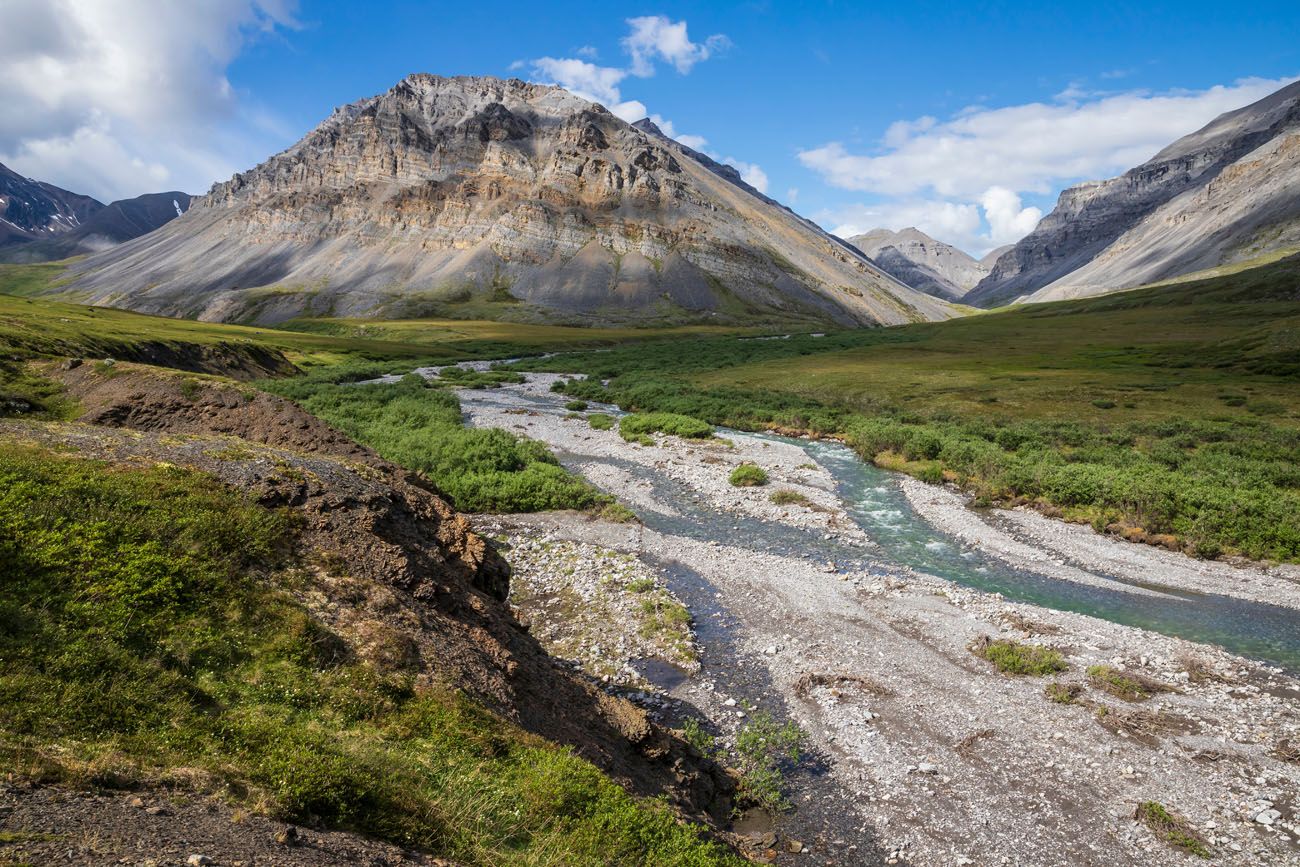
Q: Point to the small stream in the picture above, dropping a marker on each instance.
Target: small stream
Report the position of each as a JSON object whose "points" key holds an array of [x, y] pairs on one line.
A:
{"points": [[875, 500]]}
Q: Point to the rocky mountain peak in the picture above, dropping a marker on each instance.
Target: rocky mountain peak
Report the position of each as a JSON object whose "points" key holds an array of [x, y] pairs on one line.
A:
{"points": [[441, 191], [922, 262]]}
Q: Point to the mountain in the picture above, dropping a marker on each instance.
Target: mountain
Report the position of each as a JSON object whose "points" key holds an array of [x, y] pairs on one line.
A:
{"points": [[472, 191], [109, 226], [1228, 192], [31, 210], [921, 262]]}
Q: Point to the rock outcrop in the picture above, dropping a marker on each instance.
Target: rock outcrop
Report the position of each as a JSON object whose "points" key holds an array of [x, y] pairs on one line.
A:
{"points": [[443, 191], [923, 263], [1225, 193]]}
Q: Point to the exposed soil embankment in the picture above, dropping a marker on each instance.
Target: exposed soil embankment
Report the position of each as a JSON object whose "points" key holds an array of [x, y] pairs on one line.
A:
{"points": [[243, 361], [390, 567]]}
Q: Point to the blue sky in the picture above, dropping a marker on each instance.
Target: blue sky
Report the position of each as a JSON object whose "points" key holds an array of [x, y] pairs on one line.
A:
{"points": [[964, 121]]}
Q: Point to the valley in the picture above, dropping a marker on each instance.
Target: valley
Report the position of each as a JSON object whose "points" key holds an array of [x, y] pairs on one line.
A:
{"points": [[488, 470]]}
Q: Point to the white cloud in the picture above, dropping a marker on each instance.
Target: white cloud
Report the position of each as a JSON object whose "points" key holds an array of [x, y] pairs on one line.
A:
{"points": [[597, 83], [119, 97], [962, 179], [1008, 220], [1028, 148], [953, 222], [651, 38], [792, 195], [655, 37], [750, 173]]}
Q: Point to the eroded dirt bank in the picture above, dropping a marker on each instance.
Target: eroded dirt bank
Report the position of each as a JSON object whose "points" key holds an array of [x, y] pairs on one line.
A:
{"points": [[929, 755]]}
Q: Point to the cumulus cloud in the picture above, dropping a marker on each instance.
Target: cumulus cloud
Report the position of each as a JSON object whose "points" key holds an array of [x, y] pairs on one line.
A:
{"points": [[984, 159], [1029, 148], [655, 37], [119, 97], [953, 222], [750, 173], [1008, 221], [650, 38]]}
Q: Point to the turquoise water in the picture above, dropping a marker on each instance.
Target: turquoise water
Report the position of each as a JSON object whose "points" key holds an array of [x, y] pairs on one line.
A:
{"points": [[1269, 633]]}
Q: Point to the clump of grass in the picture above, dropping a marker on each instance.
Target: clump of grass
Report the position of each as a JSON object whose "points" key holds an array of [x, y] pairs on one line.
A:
{"points": [[640, 585], [637, 427], [1171, 828], [787, 497], [748, 476], [154, 632], [1012, 657], [1128, 686], [576, 405], [600, 421], [765, 750], [1063, 693]]}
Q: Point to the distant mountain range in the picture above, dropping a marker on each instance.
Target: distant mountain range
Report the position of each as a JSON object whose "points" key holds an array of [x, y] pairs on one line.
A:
{"points": [[40, 222], [923, 263], [461, 191], [1226, 193]]}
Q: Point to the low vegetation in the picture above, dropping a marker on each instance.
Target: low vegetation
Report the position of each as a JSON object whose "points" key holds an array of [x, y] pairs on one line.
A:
{"points": [[576, 405], [600, 421], [1063, 693], [147, 629], [1128, 686], [1013, 657], [787, 497], [748, 476], [1169, 415], [1171, 828], [765, 751], [418, 425], [637, 427]]}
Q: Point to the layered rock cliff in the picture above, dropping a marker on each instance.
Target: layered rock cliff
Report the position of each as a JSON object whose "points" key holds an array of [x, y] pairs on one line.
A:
{"points": [[446, 191], [1225, 192]]}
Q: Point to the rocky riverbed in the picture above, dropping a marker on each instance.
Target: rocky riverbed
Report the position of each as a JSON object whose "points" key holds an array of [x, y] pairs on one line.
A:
{"points": [[924, 752]]}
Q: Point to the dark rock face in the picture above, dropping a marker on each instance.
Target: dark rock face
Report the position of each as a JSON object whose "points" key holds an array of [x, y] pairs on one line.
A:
{"points": [[1090, 218], [31, 210], [446, 189], [106, 227]]}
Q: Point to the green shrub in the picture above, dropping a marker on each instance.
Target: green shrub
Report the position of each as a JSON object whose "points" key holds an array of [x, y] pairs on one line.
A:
{"points": [[764, 750], [600, 421], [576, 405], [1012, 657], [418, 425], [748, 476], [638, 426], [145, 629]]}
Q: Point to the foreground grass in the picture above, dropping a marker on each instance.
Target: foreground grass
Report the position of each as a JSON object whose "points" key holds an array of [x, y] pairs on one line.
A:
{"points": [[145, 629], [1171, 414], [418, 425]]}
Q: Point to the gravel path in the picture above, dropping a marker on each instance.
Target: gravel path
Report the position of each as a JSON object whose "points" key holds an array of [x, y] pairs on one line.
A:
{"points": [[931, 756]]}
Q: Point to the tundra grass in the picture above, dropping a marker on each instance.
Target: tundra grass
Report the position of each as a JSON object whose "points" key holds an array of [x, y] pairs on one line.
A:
{"points": [[147, 630], [418, 425], [1170, 412]]}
